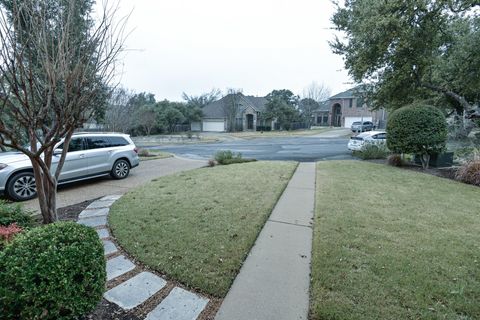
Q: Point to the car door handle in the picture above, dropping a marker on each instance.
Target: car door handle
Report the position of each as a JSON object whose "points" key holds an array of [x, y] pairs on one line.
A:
{"points": [[81, 156]]}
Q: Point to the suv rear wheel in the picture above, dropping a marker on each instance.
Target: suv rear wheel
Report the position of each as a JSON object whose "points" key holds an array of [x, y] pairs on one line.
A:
{"points": [[22, 186], [120, 169]]}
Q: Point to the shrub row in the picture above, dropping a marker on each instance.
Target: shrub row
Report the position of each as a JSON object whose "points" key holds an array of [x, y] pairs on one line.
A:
{"points": [[372, 151], [228, 157], [14, 213]]}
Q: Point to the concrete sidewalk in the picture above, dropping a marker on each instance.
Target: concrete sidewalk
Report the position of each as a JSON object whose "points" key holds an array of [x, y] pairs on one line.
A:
{"points": [[275, 278]]}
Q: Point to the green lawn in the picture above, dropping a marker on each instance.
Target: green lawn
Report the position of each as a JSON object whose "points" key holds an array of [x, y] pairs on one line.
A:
{"points": [[197, 227], [394, 244]]}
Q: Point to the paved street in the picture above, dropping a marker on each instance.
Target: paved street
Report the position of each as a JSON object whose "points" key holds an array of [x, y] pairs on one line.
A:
{"points": [[304, 149]]}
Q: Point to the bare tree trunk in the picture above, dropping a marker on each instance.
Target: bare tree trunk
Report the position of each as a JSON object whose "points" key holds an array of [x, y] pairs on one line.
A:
{"points": [[460, 99], [46, 191], [425, 159], [57, 62]]}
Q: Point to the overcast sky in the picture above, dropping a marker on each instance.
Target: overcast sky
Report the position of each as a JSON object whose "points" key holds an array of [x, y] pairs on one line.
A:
{"points": [[193, 46]]}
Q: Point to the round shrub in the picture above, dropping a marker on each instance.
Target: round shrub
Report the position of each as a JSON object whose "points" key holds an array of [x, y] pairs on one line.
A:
{"points": [[417, 129], [395, 160], [52, 272]]}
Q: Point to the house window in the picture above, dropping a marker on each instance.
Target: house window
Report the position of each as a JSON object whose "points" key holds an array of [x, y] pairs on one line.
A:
{"points": [[350, 103], [360, 102]]}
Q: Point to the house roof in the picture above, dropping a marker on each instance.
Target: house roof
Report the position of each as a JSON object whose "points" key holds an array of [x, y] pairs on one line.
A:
{"points": [[350, 93], [324, 106], [343, 95], [216, 109], [258, 103]]}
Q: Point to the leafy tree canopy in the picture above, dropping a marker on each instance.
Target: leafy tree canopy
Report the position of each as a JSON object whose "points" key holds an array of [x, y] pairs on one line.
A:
{"points": [[285, 95], [282, 106], [409, 50], [203, 99]]}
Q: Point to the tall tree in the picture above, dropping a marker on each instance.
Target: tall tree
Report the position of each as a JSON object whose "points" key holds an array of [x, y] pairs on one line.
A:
{"points": [[231, 107], [169, 114], [313, 95], [307, 107], [410, 50], [146, 118], [56, 62], [282, 106], [116, 115], [202, 100], [141, 99], [316, 92]]}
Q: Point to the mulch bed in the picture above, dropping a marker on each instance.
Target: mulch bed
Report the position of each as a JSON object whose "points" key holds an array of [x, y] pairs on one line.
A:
{"points": [[71, 213], [448, 173]]}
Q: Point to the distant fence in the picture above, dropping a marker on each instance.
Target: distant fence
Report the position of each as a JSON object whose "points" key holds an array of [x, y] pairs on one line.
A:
{"points": [[292, 126], [182, 128]]}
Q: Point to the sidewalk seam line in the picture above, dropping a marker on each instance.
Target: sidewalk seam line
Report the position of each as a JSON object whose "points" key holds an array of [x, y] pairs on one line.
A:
{"points": [[292, 224]]}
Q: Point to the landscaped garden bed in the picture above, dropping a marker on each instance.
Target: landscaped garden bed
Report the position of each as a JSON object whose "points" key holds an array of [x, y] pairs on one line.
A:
{"points": [[394, 244], [197, 227]]}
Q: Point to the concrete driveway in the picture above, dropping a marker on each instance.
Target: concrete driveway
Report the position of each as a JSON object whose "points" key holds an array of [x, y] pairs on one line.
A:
{"points": [[147, 170]]}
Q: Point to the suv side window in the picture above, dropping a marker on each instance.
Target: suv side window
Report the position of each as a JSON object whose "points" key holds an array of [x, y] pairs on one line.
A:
{"points": [[118, 142], [76, 144], [98, 142]]}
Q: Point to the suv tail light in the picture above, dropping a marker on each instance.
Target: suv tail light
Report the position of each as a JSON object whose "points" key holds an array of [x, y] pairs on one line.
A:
{"points": [[135, 150]]}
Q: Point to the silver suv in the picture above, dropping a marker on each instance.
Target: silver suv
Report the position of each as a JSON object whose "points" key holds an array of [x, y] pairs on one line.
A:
{"points": [[90, 155]]}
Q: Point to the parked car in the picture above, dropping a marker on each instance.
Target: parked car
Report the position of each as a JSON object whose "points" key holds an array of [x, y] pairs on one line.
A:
{"points": [[358, 127], [89, 155], [374, 137]]}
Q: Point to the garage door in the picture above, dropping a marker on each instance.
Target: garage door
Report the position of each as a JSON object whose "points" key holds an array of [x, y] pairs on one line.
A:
{"points": [[350, 120], [196, 126], [216, 126]]}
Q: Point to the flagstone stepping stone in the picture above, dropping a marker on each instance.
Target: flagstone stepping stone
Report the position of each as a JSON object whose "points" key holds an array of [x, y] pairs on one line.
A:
{"points": [[94, 221], [103, 233], [90, 213], [111, 197], [118, 266], [100, 204], [178, 305], [135, 291], [109, 247]]}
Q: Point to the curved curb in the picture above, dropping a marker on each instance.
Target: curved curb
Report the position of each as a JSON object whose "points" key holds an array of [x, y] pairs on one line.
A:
{"points": [[133, 292]]}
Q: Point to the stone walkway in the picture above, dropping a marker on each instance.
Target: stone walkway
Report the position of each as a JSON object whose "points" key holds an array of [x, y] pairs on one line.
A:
{"points": [[179, 304]]}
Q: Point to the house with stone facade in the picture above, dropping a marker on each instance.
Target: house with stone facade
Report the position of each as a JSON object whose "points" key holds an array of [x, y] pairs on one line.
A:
{"points": [[247, 118], [344, 108], [340, 110]]}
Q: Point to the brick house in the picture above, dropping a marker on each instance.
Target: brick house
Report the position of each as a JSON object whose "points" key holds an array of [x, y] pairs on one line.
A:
{"points": [[247, 118], [342, 109]]}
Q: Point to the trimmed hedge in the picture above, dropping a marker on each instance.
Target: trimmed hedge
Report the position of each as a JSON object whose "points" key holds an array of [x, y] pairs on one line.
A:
{"points": [[14, 213], [52, 272], [228, 157], [372, 151], [417, 129]]}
